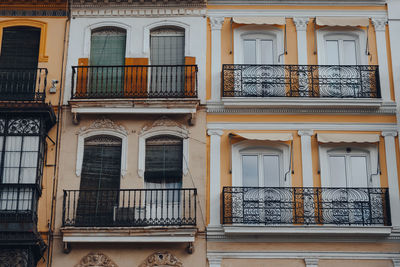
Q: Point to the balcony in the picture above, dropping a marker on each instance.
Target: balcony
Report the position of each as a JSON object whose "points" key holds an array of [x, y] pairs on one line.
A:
{"points": [[301, 85], [28, 85], [134, 89], [169, 215], [18, 206], [303, 208]]}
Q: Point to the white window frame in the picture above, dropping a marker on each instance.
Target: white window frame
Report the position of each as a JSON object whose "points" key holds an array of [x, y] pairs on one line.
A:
{"points": [[254, 147], [260, 32], [342, 33], [87, 35], [87, 134], [368, 150]]}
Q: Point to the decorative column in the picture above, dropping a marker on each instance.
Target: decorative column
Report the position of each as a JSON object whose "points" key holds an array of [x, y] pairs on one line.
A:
{"points": [[380, 32], [306, 157], [216, 68], [301, 28], [391, 166], [311, 262], [215, 262], [215, 176]]}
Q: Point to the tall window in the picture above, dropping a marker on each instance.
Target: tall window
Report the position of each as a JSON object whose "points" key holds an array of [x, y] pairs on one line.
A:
{"points": [[167, 51], [21, 151], [342, 50], [19, 62], [259, 49], [107, 54]]}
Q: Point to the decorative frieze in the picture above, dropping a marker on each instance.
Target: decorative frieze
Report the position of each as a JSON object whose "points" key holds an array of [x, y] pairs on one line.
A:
{"points": [[137, 3], [102, 124], [96, 259], [161, 259], [142, 12]]}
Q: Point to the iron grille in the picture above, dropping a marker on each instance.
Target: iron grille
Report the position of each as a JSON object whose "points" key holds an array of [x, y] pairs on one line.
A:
{"points": [[129, 207], [306, 205], [243, 80], [21, 84], [146, 81]]}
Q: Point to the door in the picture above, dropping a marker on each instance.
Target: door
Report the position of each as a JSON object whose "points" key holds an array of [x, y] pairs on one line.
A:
{"points": [[167, 57], [100, 181], [107, 56], [19, 62], [340, 78], [163, 178], [348, 200], [264, 197], [259, 75]]}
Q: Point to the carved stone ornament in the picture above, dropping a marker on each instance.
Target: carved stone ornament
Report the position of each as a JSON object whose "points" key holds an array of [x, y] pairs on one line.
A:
{"points": [[379, 23], [161, 259], [97, 259], [165, 123], [301, 23], [216, 23], [104, 123]]}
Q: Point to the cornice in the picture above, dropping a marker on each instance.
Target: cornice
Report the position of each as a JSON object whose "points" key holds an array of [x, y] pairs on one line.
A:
{"points": [[137, 3], [12, 12], [136, 12], [299, 2]]}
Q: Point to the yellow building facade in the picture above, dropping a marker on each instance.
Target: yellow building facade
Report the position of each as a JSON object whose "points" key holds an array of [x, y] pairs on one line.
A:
{"points": [[33, 35], [302, 134]]}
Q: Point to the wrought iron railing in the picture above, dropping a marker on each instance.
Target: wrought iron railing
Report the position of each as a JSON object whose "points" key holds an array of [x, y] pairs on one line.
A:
{"points": [[18, 203], [23, 84], [129, 207], [306, 205], [242, 80], [145, 81]]}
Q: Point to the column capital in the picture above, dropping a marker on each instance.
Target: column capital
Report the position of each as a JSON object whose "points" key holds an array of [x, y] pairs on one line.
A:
{"points": [[305, 132], [389, 133], [379, 23], [301, 23], [215, 132], [216, 23], [311, 262]]}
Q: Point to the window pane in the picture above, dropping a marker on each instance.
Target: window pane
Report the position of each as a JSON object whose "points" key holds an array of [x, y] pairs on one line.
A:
{"points": [[12, 159], [249, 52], [359, 177], [266, 53], [337, 171], [29, 159], [332, 52], [349, 53], [250, 170], [271, 171]]}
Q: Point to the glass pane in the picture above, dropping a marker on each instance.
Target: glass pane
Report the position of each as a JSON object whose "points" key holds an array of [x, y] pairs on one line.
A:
{"points": [[271, 171], [359, 176], [250, 170], [332, 52], [249, 52], [337, 171], [12, 159], [266, 53], [349, 53], [29, 159]]}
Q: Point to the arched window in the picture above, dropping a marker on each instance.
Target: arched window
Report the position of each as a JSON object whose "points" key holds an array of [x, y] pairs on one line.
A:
{"points": [[167, 46]]}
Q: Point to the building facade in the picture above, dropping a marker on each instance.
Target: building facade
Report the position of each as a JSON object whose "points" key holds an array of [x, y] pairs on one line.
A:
{"points": [[131, 188], [302, 134], [32, 37]]}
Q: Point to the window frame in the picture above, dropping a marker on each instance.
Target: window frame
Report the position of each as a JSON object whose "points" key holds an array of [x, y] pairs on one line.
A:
{"points": [[260, 31], [342, 33], [368, 150], [260, 148]]}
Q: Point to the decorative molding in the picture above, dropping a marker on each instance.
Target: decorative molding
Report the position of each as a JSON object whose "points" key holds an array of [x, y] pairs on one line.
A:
{"points": [[15, 257], [310, 262], [163, 126], [305, 132], [301, 23], [390, 127], [216, 23], [33, 13], [215, 132], [96, 259], [161, 259], [396, 262], [103, 124], [379, 23], [389, 133], [137, 3], [135, 12], [214, 262]]}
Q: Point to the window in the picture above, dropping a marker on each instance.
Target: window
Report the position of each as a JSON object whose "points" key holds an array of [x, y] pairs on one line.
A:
{"points": [[167, 55], [259, 49], [107, 55], [21, 148], [100, 180], [342, 50], [19, 61]]}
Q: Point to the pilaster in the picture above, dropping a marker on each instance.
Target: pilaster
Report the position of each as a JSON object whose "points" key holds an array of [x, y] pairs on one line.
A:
{"points": [[216, 68]]}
